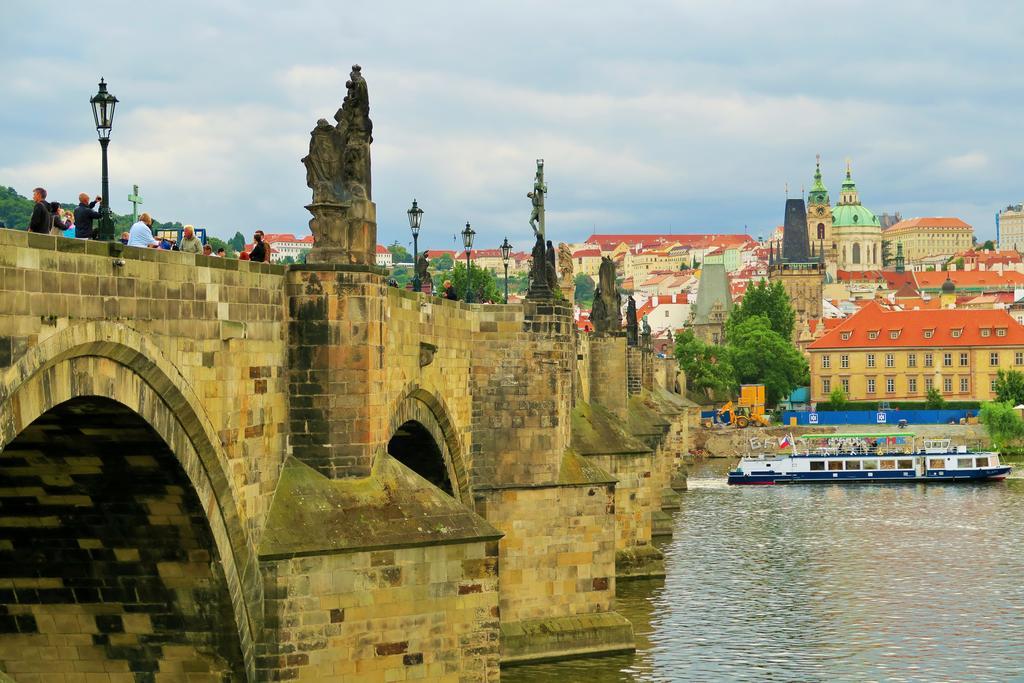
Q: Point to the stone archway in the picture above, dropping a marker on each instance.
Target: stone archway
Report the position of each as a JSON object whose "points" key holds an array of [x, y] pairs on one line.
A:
{"points": [[112, 361], [427, 412]]}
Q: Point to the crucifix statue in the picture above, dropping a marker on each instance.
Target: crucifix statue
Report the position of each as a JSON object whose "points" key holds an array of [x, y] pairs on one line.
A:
{"points": [[135, 198], [539, 191]]}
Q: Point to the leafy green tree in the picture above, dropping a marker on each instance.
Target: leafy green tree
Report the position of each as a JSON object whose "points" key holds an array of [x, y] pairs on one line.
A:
{"points": [[768, 300], [399, 254], [1002, 422], [759, 354], [989, 244], [237, 242], [402, 275], [442, 262], [934, 400], [485, 287], [218, 243], [837, 399], [585, 287], [706, 366], [1010, 386]]}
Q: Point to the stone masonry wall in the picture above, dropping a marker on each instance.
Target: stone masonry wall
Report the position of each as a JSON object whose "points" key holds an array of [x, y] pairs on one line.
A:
{"points": [[607, 370], [426, 613], [634, 370], [218, 321]]}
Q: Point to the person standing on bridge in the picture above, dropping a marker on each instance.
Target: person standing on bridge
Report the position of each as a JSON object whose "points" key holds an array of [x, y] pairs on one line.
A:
{"points": [[85, 214], [41, 220], [141, 234], [449, 291], [259, 251], [190, 244]]}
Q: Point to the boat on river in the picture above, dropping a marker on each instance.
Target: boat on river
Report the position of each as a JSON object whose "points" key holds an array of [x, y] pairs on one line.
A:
{"points": [[880, 457]]}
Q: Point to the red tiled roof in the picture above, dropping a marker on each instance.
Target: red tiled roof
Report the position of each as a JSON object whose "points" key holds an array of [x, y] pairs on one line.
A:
{"points": [[929, 222], [970, 278], [586, 252], [697, 240], [911, 326], [272, 237], [661, 300], [381, 249]]}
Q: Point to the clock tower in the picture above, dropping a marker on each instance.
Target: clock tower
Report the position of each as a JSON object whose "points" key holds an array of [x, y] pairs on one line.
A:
{"points": [[819, 220]]}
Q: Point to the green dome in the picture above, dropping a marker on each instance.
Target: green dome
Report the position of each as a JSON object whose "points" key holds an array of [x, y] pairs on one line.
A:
{"points": [[853, 215]]}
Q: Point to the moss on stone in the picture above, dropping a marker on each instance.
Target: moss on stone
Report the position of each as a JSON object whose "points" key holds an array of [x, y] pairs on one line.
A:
{"points": [[392, 508], [596, 431], [578, 470]]}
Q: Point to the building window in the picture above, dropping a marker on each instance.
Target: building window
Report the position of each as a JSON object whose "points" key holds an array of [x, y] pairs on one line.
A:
{"points": [[1000, 331], [871, 360], [826, 385], [993, 358], [965, 385], [1018, 358], [890, 385], [845, 335], [947, 360], [911, 360], [912, 385], [947, 385], [929, 384], [963, 360], [956, 332], [992, 385], [826, 361], [845, 384], [844, 360], [928, 360], [985, 332], [821, 231], [890, 360], [871, 385], [873, 334], [928, 333]]}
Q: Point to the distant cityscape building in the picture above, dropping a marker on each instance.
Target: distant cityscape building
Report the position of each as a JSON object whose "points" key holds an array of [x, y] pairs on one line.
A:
{"points": [[884, 354], [798, 266], [857, 232], [933, 236], [887, 220], [1011, 227], [714, 301]]}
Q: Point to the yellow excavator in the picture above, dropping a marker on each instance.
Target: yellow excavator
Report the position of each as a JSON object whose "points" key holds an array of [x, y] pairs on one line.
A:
{"points": [[747, 411]]}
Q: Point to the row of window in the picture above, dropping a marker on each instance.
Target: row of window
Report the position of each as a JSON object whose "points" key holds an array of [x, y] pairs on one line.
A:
{"points": [[912, 385], [928, 333], [928, 358], [895, 464]]}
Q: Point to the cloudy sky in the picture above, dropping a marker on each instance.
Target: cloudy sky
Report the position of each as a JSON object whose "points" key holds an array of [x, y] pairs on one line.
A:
{"points": [[651, 116]]}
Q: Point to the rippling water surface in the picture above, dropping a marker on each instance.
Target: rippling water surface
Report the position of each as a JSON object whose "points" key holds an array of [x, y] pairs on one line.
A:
{"points": [[816, 583]]}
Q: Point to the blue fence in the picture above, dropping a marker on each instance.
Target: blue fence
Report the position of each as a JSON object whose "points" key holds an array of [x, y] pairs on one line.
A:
{"points": [[876, 417]]}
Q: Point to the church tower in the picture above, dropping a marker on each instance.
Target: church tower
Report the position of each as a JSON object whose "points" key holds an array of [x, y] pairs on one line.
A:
{"points": [[819, 219], [797, 264]]}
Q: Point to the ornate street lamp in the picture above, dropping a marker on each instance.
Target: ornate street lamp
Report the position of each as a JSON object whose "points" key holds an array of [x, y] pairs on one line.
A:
{"points": [[103, 104], [467, 242], [415, 218], [506, 251]]}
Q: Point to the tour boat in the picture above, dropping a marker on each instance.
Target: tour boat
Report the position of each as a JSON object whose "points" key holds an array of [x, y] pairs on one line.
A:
{"points": [[866, 458]]}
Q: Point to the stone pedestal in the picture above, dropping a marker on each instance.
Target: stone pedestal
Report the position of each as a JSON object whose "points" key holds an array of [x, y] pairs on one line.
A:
{"points": [[344, 233], [608, 373]]}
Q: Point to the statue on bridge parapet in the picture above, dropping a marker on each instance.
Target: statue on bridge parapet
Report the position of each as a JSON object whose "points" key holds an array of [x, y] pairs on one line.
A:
{"points": [[344, 223], [645, 333], [565, 269], [540, 190], [631, 322], [606, 312]]}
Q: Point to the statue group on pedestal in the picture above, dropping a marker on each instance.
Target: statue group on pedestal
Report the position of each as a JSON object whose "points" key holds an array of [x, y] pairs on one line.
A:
{"points": [[606, 312]]}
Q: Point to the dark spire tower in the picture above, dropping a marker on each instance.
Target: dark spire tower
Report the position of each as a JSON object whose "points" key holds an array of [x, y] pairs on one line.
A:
{"points": [[800, 270]]}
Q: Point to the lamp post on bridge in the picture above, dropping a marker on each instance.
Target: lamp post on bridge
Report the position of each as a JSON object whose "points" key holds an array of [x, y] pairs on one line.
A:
{"points": [[467, 242], [506, 251], [415, 218], [103, 104]]}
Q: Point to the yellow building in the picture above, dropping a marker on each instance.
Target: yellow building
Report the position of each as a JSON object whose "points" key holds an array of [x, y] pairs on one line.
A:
{"points": [[924, 237], [880, 354]]}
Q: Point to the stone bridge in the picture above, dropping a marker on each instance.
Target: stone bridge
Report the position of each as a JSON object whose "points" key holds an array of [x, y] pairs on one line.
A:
{"points": [[223, 470]]}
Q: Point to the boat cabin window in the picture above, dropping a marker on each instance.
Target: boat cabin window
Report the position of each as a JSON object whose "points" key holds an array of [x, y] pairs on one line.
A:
{"points": [[853, 464], [817, 465], [835, 464], [964, 462], [937, 463], [871, 464], [905, 464], [981, 462], [887, 464]]}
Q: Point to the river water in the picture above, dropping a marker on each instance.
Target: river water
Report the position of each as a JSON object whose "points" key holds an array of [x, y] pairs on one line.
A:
{"points": [[826, 583]]}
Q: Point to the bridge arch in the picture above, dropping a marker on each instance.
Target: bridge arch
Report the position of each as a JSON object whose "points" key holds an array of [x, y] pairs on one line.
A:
{"points": [[116, 363], [420, 413]]}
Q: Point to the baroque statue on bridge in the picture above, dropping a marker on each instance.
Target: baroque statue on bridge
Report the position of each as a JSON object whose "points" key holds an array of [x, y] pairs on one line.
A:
{"points": [[631, 322], [344, 223], [540, 190], [606, 313]]}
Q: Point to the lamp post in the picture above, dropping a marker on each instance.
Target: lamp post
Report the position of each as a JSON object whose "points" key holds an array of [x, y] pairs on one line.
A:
{"points": [[103, 104], [467, 242], [506, 251], [415, 218]]}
